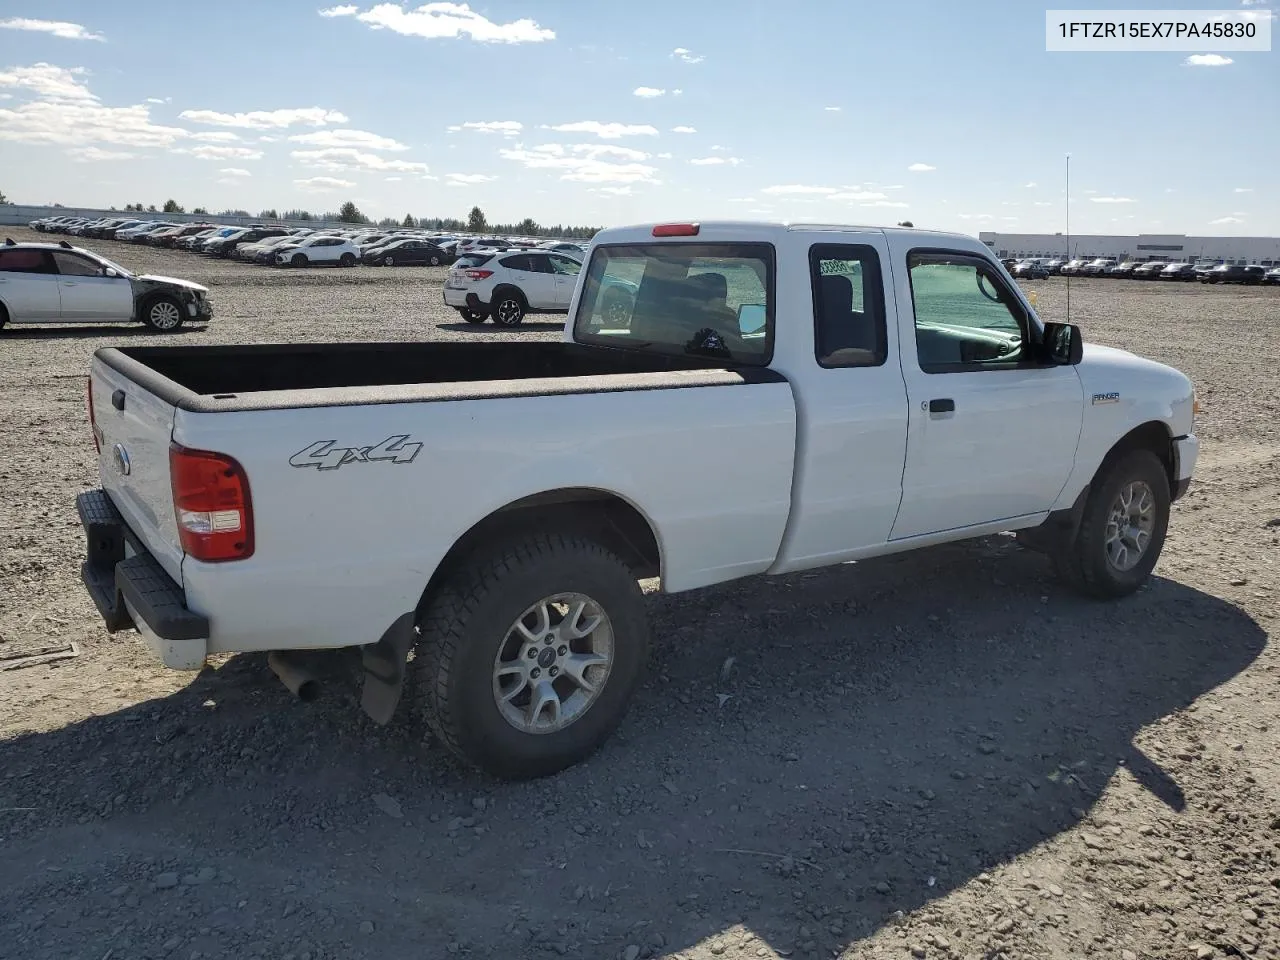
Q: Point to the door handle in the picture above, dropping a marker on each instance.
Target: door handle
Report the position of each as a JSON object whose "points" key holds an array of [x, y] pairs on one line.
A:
{"points": [[944, 405], [68, 283]]}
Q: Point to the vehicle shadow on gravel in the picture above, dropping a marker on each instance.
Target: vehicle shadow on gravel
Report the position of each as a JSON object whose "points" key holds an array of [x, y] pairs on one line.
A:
{"points": [[809, 755], [91, 331], [526, 326]]}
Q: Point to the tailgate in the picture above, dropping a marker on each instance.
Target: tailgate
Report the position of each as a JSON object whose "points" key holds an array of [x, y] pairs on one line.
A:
{"points": [[134, 428]]}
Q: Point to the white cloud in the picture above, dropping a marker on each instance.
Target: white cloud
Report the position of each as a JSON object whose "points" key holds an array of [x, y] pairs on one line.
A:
{"points": [[1029, 185], [614, 191], [221, 153], [348, 138], [268, 139], [348, 158], [677, 92], [322, 184], [664, 156], [462, 179], [832, 109], [742, 200], [588, 165], [393, 179], [96, 154], [65, 112], [1042, 203], [1113, 200], [715, 161], [648, 92], [1222, 220], [921, 168], [235, 172], [508, 128], [686, 56], [47, 81], [158, 100], [606, 131], [58, 28], [1207, 60], [1243, 190], [435, 21], [266, 119], [797, 189], [885, 203], [216, 136], [683, 130], [975, 216]]}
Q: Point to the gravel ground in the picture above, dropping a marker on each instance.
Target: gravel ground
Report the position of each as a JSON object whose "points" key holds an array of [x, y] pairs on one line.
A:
{"points": [[944, 754]]}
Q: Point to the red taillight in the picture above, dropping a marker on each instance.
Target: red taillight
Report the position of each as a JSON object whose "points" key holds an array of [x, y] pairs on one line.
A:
{"points": [[676, 230], [93, 421], [478, 274], [212, 505]]}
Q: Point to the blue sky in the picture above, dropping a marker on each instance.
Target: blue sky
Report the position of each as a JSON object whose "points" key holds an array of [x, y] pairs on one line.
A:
{"points": [[949, 114]]}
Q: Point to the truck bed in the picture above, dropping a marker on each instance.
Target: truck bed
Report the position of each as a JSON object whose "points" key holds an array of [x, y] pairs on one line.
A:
{"points": [[271, 376]]}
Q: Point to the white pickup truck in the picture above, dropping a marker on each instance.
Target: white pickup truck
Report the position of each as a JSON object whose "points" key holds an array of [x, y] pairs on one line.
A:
{"points": [[775, 398]]}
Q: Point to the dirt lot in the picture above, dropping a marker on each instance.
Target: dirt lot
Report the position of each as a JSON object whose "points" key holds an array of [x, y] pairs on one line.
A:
{"points": [[939, 755]]}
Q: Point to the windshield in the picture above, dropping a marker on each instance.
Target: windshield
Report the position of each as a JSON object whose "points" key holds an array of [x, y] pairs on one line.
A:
{"points": [[693, 299], [110, 263]]}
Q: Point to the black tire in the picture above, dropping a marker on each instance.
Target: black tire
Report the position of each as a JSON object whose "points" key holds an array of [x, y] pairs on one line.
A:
{"points": [[508, 308], [298, 260], [617, 308], [434, 261], [388, 261], [467, 622], [4, 316], [1084, 563], [348, 259], [473, 316], [164, 314]]}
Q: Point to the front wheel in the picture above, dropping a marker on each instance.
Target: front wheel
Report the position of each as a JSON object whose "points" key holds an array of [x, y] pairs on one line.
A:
{"points": [[388, 261], [163, 314], [529, 654], [298, 260], [473, 316], [1122, 530]]}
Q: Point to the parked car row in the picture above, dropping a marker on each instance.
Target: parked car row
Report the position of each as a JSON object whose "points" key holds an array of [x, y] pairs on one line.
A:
{"points": [[281, 246], [1038, 268]]}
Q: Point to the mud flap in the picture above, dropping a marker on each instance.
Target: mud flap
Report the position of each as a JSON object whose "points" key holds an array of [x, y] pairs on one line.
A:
{"points": [[384, 669]]}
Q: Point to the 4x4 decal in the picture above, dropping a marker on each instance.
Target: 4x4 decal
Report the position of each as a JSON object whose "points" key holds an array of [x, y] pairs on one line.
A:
{"points": [[323, 455]]}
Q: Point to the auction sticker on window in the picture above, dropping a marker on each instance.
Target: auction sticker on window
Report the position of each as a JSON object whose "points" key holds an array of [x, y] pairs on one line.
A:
{"points": [[1137, 31]]}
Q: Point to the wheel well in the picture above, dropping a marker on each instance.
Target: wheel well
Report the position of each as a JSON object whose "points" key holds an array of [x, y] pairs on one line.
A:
{"points": [[1153, 436], [502, 288], [605, 517]]}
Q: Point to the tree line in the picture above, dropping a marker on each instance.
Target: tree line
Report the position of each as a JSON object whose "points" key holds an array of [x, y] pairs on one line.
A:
{"points": [[475, 222]]}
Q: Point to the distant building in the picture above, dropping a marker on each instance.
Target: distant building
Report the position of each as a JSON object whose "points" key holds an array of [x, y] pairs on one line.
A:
{"points": [[1145, 246]]}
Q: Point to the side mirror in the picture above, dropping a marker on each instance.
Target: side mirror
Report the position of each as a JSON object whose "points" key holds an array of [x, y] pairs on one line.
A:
{"points": [[109, 272], [751, 318], [1063, 344]]}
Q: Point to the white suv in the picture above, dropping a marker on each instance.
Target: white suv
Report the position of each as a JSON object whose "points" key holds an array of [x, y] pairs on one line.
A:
{"points": [[508, 284], [335, 251]]}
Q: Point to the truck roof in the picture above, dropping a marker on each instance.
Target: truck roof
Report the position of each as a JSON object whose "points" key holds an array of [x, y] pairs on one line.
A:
{"points": [[724, 230]]}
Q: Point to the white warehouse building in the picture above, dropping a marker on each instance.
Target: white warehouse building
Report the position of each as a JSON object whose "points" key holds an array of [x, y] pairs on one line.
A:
{"points": [[1172, 247]]}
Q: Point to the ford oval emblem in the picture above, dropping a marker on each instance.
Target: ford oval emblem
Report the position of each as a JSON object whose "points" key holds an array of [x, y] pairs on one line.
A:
{"points": [[122, 459]]}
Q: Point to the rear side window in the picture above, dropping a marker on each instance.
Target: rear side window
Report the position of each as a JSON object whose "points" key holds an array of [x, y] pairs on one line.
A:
{"points": [[470, 260], [25, 261], [517, 263], [693, 299], [848, 305]]}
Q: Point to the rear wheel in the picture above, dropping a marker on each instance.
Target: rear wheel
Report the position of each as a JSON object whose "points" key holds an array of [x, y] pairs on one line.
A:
{"points": [[163, 314], [348, 259], [508, 309], [434, 261], [473, 316], [530, 653], [1122, 530]]}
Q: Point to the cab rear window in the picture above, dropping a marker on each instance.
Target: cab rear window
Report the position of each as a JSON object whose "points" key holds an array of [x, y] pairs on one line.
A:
{"points": [[692, 299]]}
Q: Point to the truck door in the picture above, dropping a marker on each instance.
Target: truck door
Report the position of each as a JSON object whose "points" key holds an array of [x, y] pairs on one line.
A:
{"points": [[992, 433], [840, 352]]}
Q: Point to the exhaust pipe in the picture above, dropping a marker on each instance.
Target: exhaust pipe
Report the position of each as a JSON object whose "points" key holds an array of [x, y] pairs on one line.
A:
{"points": [[300, 681]]}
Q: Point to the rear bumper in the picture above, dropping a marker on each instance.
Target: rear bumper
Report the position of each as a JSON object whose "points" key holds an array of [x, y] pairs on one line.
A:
{"points": [[131, 589]]}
